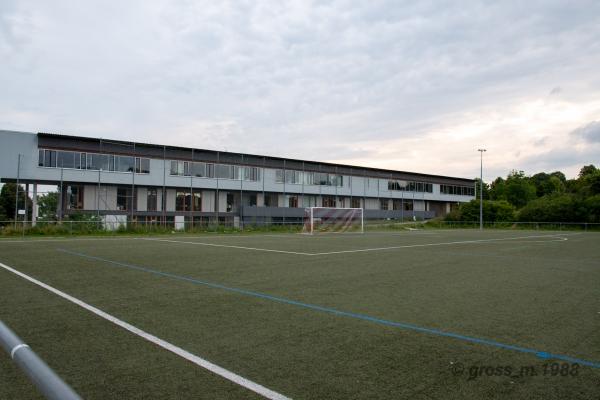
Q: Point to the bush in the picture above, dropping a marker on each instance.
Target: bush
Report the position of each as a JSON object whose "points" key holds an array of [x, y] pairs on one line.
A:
{"points": [[493, 211], [554, 208]]}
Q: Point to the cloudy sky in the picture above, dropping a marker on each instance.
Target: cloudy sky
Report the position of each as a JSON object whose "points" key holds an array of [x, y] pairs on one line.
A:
{"points": [[416, 86]]}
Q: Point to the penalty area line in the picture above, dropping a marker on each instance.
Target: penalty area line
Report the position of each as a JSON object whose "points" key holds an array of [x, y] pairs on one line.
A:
{"points": [[201, 362]]}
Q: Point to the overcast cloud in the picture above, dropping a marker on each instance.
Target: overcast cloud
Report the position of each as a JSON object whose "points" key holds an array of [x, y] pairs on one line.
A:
{"points": [[416, 86]]}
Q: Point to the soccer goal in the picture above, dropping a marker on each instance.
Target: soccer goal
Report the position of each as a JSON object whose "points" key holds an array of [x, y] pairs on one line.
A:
{"points": [[328, 219]]}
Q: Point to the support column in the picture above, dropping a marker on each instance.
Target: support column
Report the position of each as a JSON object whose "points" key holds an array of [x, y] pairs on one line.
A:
{"points": [[34, 208]]}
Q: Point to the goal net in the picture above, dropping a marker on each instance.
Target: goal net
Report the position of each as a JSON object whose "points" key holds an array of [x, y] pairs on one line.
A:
{"points": [[326, 219]]}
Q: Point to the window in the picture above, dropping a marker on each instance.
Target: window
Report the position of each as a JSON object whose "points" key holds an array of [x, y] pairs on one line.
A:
{"points": [[252, 200], [179, 168], [309, 178], [225, 171], [97, 162], [355, 203], [309, 201], [230, 202], [75, 197], [199, 170], [293, 202], [124, 164], [383, 204], [142, 165], [408, 205], [329, 201], [50, 158], [124, 199], [152, 200], [40, 158], [271, 200], [65, 159], [182, 201], [279, 176], [396, 204], [197, 201], [293, 177], [251, 174]]}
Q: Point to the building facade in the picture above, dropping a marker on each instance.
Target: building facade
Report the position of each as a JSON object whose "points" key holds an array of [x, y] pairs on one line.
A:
{"points": [[139, 182]]}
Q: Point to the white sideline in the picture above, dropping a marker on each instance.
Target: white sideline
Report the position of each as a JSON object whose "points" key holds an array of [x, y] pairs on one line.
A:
{"points": [[561, 236], [228, 246], [558, 237], [237, 379]]}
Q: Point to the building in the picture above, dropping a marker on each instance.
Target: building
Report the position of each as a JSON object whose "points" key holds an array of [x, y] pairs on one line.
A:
{"points": [[139, 182]]}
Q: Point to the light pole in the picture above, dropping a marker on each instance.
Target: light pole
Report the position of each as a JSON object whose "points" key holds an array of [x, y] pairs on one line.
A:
{"points": [[481, 151]]}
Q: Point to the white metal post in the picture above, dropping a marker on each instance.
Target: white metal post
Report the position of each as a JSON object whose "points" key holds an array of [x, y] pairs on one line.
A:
{"points": [[362, 220], [481, 189]]}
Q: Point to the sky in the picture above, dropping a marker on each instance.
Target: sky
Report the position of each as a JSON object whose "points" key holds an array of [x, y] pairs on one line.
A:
{"points": [[413, 86]]}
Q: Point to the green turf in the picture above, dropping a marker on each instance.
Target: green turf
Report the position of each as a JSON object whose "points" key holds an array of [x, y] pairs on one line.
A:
{"points": [[522, 288]]}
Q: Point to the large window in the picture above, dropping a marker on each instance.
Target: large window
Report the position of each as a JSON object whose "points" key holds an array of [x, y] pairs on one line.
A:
{"points": [[355, 203], [294, 177], [124, 199], [142, 165], [457, 190], [329, 201], [152, 200], [383, 204], [293, 201], [221, 171], [184, 201], [92, 161], [421, 187]]}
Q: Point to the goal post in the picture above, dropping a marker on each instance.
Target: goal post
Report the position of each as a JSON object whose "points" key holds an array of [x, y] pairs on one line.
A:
{"points": [[330, 219]]}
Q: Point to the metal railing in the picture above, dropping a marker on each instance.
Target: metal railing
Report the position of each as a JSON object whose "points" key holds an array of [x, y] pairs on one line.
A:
{"points": [[40, 374]]}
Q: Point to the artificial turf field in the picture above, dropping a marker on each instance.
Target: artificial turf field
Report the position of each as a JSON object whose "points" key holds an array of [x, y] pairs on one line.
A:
{"points": [[430, 314]]}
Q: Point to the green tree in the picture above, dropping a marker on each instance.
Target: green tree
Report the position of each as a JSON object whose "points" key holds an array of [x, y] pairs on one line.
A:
{"points": [[486, 189], [7, 199], [548, 183], [498, 189], [554, 208], [519, 190], [587, 170], [48, 204], [493, 211], [592, 207]]}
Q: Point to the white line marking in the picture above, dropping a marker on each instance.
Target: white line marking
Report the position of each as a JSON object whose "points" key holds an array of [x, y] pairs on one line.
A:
{"points": [[237, 379], [560, 238], [228, 246], [17, 348], [428, 244]]}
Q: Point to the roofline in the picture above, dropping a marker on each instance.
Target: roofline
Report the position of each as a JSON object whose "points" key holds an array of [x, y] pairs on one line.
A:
{"points": [[131, 143]]}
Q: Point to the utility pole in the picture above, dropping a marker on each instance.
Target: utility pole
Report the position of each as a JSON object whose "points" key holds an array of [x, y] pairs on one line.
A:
{"points": [[481, 151]]}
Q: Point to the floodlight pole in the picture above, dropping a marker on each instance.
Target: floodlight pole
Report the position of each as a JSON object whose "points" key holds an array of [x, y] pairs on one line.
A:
{"points": [[481, 151]]}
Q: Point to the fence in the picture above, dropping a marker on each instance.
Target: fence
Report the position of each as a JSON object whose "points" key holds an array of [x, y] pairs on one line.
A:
{"points": [[224, 224]]}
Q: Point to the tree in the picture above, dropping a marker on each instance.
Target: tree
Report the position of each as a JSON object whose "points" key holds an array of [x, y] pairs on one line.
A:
{"points": [[486, 189], [48, 204], [8, 196], [498, 189], [554, 208], [519, 190], [548, 183], [587, 170], [493, 211]]}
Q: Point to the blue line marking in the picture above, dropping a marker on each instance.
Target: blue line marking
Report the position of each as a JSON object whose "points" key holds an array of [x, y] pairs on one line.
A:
{"points": [[364, 317]]}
